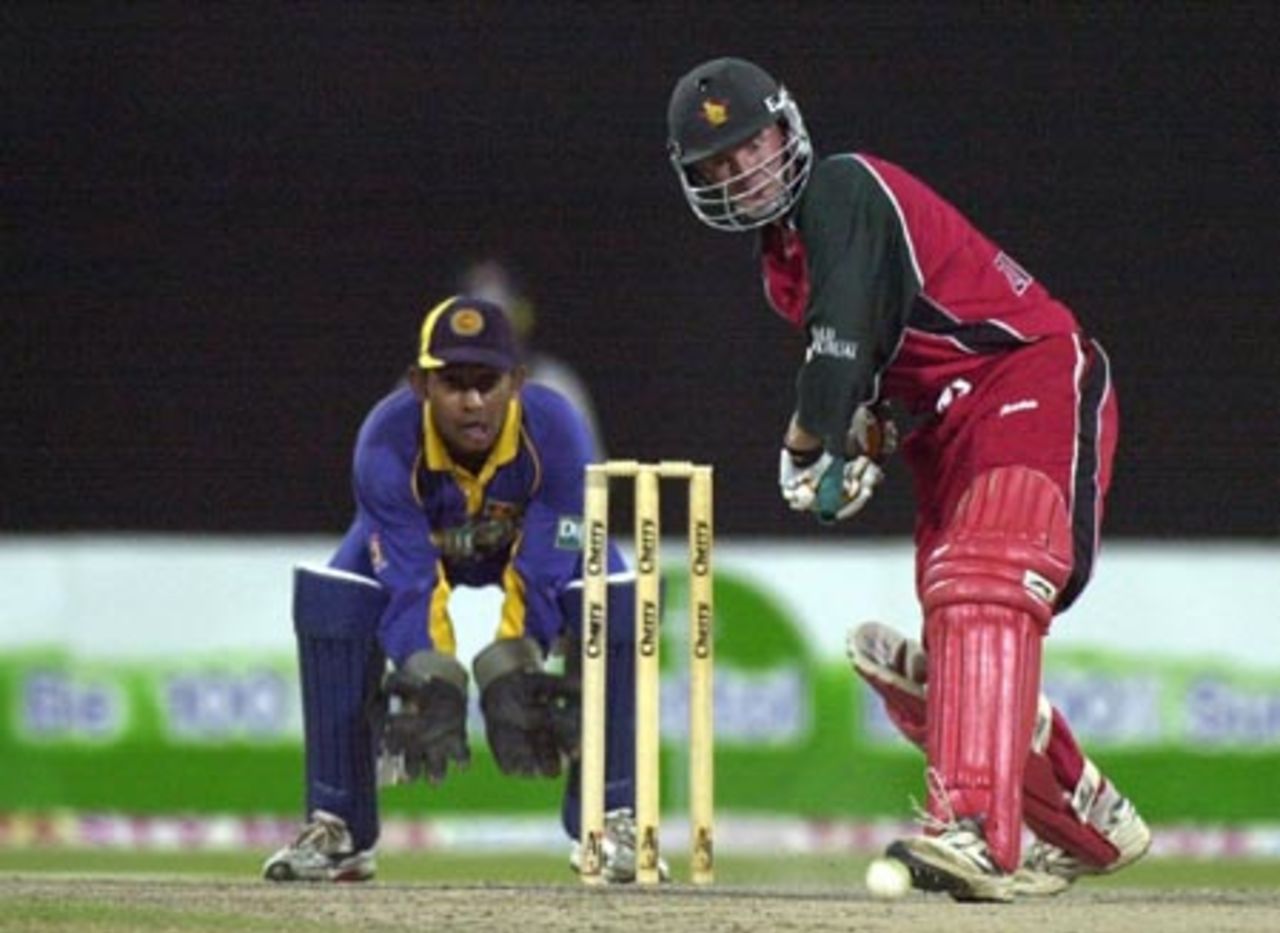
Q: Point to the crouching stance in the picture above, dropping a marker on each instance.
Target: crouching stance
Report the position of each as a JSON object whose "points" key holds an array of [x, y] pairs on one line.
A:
{"points": [[464, 476]]}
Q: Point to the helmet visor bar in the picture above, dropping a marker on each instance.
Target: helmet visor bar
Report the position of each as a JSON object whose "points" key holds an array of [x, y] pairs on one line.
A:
{"points": [[743, 201]]}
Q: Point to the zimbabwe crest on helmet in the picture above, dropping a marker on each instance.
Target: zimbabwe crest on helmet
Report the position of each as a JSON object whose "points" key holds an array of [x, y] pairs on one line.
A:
{"points": [[715, 112]]}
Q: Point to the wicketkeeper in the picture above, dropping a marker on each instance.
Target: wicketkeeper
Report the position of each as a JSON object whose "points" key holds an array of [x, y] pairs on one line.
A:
{"points": [[903, 300], [463, 476]]}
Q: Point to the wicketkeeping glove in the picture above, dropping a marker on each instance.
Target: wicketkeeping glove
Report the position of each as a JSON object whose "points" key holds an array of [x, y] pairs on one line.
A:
{"points": [[425, 723], [532, 718]]}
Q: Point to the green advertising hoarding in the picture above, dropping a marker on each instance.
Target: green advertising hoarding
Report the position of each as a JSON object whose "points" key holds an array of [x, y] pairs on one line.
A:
{"points": [[796, 732]]}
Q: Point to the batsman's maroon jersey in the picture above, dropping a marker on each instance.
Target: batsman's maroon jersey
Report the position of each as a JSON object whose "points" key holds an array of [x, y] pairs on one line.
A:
{"points": [[902, 298]]}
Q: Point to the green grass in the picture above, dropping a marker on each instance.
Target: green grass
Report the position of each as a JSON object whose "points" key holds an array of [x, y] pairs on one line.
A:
{"points": [[454, 868]]}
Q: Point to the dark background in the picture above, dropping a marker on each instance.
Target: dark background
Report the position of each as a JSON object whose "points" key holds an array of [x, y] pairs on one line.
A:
{"points": [[222, 226]]}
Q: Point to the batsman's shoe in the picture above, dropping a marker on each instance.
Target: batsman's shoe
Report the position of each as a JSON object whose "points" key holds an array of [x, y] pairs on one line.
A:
{"points": [[882, 653], [619, 850], [956, 861], [1047, 869], [323, 851]]}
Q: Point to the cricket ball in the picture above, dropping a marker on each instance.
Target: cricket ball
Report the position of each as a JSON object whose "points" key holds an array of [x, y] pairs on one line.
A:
{"points": [[887, 879]]}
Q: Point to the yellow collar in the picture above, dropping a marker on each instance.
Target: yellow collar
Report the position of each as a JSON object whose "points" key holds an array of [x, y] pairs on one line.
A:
{"points": [[503, 452]]}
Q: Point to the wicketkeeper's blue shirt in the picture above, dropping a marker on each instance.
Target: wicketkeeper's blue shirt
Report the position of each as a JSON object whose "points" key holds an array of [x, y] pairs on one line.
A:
{"points": [[425, 524]]}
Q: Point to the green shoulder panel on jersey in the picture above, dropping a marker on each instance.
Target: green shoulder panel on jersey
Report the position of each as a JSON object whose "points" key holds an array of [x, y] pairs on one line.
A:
{"points": [[862, 285]]}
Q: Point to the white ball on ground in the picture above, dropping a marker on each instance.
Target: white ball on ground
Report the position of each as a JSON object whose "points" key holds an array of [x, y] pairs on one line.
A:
{"points": [[887, 879]]}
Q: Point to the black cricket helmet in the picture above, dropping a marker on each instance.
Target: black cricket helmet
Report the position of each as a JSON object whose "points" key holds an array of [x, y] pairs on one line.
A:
{"points": [[721, 104]]}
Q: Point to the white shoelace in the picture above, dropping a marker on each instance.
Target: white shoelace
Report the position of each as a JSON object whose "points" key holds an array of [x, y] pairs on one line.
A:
{"points": [[936, 789], [320, 834], [963, 835]]}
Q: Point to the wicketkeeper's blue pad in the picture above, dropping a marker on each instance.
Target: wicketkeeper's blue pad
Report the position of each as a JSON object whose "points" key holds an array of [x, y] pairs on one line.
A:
{"points": [[620, 712], [335, 618]]}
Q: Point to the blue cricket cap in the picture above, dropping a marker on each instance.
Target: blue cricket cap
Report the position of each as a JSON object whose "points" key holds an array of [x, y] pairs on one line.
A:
{"points": [[463, 329]]}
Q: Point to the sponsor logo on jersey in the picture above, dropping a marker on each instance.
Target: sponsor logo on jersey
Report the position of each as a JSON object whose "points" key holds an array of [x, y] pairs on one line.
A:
{"points": [[824, 342], [1019, 278], [569, 533], [1026, 404]]}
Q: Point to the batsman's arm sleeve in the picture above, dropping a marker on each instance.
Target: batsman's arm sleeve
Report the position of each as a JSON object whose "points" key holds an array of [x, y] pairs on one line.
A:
{"points": [[863, 282]]}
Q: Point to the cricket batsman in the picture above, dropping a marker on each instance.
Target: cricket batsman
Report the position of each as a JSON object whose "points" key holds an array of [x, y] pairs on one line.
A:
{"points": [[906, 304]]}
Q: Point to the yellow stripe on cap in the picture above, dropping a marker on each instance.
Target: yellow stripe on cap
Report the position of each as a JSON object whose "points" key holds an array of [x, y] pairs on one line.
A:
{"points": [[425, 359]]}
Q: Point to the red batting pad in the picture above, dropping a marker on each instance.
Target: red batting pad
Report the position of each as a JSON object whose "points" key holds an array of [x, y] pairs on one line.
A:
{"points": [[988, 593], [984, 682]]}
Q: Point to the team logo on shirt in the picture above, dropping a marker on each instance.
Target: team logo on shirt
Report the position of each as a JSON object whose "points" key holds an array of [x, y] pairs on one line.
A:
{"points": [[715, 112]]}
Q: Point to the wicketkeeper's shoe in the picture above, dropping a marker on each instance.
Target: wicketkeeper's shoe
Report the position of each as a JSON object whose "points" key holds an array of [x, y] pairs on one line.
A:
{"points": [[323, 851], [619, 849], [957, 861], [1047, 869]]}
